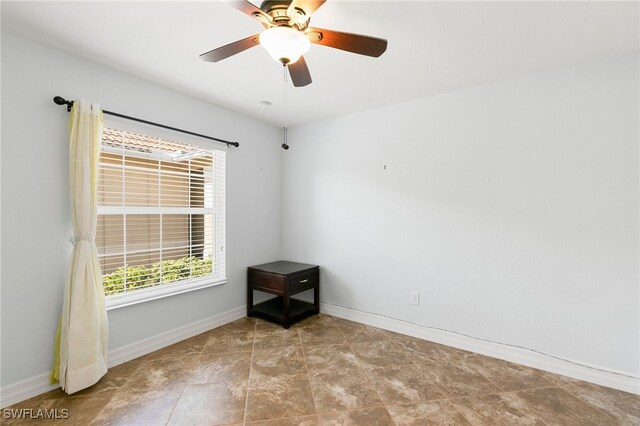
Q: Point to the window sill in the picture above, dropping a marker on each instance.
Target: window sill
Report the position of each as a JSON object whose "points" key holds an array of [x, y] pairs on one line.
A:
{"points": [[127, 299]]}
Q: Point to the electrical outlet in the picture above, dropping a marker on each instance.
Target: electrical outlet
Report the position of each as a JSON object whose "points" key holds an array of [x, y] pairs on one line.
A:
{"points": [[415, 299]]}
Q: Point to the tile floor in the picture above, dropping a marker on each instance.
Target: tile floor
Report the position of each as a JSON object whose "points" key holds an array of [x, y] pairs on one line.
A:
{"points": [[328, 371]]}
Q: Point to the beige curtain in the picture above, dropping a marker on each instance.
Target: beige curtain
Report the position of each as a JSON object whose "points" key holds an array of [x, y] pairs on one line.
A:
{"points": [[81, 340]]}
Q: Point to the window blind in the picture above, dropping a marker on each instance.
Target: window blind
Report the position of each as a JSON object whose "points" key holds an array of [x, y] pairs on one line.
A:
{"points": [[161, 212]]}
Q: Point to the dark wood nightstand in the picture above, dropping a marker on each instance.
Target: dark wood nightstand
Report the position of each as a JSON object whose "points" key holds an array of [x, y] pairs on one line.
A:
{"points": [[283, 279]]}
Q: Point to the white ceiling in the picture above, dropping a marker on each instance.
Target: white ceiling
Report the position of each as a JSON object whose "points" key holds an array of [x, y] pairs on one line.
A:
{"points": [[434, 47]]}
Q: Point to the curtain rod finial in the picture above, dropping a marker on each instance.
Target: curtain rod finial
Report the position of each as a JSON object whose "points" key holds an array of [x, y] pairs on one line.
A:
{"points": [[59, 100]]}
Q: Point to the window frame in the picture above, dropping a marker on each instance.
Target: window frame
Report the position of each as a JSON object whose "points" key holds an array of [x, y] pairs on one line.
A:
{"points": [[120, 300]]}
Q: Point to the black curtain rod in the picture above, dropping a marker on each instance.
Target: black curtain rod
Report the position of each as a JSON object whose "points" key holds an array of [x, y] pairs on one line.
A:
{"points": [[59, 100]]}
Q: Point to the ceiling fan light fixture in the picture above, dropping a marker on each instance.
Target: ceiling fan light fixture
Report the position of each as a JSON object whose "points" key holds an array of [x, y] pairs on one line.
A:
{"points": [[285, 45]]}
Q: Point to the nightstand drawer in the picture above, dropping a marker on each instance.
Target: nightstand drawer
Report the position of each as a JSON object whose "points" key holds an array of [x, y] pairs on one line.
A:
{"points": [[305, 281], [264, 280]]}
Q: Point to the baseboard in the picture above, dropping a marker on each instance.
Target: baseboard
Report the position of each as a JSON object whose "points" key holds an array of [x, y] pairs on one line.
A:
{"points": [[508, 353], [25, 389], [159, 341], [37, 385]]}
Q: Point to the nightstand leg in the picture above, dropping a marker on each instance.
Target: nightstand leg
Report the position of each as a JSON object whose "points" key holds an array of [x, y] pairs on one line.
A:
{"points": [[249, 296], [285, 308], [316, 297]]}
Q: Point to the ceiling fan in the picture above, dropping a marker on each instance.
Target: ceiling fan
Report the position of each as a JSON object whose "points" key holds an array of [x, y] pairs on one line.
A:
{"points": [[288, 36]]}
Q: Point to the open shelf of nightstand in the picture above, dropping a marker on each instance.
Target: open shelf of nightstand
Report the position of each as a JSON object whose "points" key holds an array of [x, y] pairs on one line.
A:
{"points": [[274, 309]]}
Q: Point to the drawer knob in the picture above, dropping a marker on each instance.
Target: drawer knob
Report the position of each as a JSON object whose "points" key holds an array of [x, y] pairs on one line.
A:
{"points": [[303, 281]]}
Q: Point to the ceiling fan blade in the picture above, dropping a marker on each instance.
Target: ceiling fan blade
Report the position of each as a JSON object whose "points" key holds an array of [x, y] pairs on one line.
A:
{"points": [[309, 6], [299, 73], [231, 49], [248, 8], [355, 43]]}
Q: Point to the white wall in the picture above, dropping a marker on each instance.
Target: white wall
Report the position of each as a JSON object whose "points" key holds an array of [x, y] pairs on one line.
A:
{"points": [[35, 206], [511, 208]]}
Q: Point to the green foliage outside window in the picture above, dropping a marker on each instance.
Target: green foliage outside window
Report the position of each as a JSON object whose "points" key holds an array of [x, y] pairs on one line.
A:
{"points": [[159, 273]]}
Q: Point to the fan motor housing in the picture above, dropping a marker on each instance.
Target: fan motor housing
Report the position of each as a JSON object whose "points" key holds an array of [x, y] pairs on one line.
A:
{"points": [[277, 10]]}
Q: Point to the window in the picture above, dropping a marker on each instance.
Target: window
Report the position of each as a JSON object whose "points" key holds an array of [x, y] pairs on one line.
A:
{"points": [[161, 216]]}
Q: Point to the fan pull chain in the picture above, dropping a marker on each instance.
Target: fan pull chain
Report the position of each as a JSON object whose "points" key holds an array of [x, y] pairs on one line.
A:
{"points": [[284, 114], [284, 68]]}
